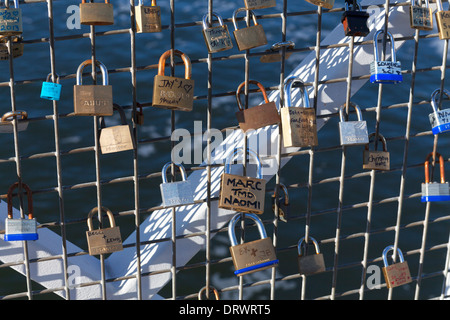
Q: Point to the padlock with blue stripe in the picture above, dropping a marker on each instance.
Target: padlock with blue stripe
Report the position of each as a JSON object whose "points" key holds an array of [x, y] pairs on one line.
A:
{"points": [[51, 90], [439, 119], [385, 71], [435, 191]]}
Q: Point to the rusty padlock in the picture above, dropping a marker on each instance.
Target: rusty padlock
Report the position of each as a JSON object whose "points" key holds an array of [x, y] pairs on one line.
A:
{"points": [[104, 240], [251, 36], [374, 159], [396, 274], [96, 14], [116, 138]]}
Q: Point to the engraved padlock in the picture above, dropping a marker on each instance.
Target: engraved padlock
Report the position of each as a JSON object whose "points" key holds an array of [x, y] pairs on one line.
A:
{"points": [[176, 193], [282, 202], [259, 116], [251, 36], [51, 90], [420, 17], [148, 18], [352, 132], [355, 20], [172, 92], [327, 4], [385, 71], [104, 240], [242, 193], [443, 21], [396, 274], [259, 4], [435, 191], [309, 264], [439, 119], [6, 122], [375, 159], [20, 229], [298, 124], [93, 100], [17, 47], [217, 38], [96, 13], [116, 138], [252, 256], [11, 20]]}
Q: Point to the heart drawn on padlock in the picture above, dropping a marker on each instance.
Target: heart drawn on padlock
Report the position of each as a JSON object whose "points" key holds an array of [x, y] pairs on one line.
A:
{"points": [[187, 87]]}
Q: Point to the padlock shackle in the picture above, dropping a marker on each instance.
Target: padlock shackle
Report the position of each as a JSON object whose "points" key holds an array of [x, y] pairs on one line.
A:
{"points": [[50, 75], [354, 4], [355, 106], [285, 191], [16, 4], [85, 63], [213, 14], [375, 45], [441, 167], [380, 138], [236, 218], [242, 85], [112, 222], [9, 116], [434, 98], [183, 56], [289, 84], [234, 155], [29, 199], [167, 165], [427, 4], [389, 248], [302, 242], [216, 293], [119, 109], [439, 5], [250, 12]]}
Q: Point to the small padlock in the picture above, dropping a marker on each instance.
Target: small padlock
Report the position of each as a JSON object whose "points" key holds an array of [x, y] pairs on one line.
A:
{"points": [[252, 256], [352, 132], [214, 290], [251, 36], [298, 124], [259, 4], [93, 100], [172, 92], [355, 20], [20, 229], [216, 38], [17, 47], [6, 123], [282, 203], [240, 193], [374, 159], [11, 20], [176, 193], [116, 138], [259, 116], [51, 90], [327, 4], [396, 274], [277, 47], [421, 17], [309, 264], [148, 18], [96, 14], [435, 191], [105, 240], [443, 21], [439, 119], [385, 71]]}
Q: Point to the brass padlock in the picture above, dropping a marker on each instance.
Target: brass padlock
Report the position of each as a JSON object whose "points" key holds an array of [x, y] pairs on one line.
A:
{"points": [[309, 264], [96, 14], [148, 18], [216, 38], [420, 17], [435, 191], [259, 4], [11, 20], [172, 92], [259, 116], [93, 100], [277, 47], [374, 159], [252, 256], [443, 21], [17, 47], [396, 274], [355, 20], [282, 203], [327, 4], [298, 123], [116, 138], [214, 290], [105, 240], [6, 123], [251, 36], [241, 193]]}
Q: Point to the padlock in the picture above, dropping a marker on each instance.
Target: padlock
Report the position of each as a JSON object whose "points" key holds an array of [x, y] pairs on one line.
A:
{"points": [[252, 256], [93, 100], [11, 20], [352, 132], [216, 38], [385, 71], [104, 240], [309, 264], [51, 90], [214, 290], [282, 203], [277, 47], [439, 119], [20, 229], [176, 193], [443, 21], [435, 191], [241, 193], [421, 17], [96, 14], [172, 92], [374, 159], [148, 18], [6, 122], [17, 47], [327, 4], [396, 274], [251, 36], [116, 138], [355, 20], [298, 124], [259, 4], [259, 116]]}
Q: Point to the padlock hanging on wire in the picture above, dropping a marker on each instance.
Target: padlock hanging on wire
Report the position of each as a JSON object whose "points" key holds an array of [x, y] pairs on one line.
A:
{"points": [[148, 18]]}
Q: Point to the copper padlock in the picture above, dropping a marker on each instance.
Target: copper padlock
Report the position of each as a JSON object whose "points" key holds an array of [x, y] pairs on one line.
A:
{"points": [[172, 92], [443, 21], [6, 123], [309, 264], [116, 138], [96, 14], [396, 274], [374, 159], [148, 18], [259, 116], [105, 240], [259, 4], [251, 36], [270, 55]]}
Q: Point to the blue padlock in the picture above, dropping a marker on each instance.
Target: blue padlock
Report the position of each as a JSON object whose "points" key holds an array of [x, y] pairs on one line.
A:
{"points": [[385, 71], [51, 90], [439, 119]]}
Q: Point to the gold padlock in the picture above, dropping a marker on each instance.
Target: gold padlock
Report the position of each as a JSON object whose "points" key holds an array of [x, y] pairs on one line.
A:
{"points": [[443, 21], [116, 138], [17, 47], [328, 4], [96, 14], [259, 4], [172, 92], [420, 17], [309, 264], [148, 18], [396, 274], [374, 159], [259, 116], [250, 37], [106, 240], [214, 290]]}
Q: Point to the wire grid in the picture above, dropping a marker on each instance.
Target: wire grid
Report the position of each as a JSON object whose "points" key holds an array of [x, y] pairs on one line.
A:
{"points": [[205, 262]]}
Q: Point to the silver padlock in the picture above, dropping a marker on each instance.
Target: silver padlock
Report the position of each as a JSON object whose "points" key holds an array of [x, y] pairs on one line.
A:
{"points": [[310, 264], [176, 193], [439, 119], [435, 191], [352, 132], [217, 38], [385, 71], [6, 123]]}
